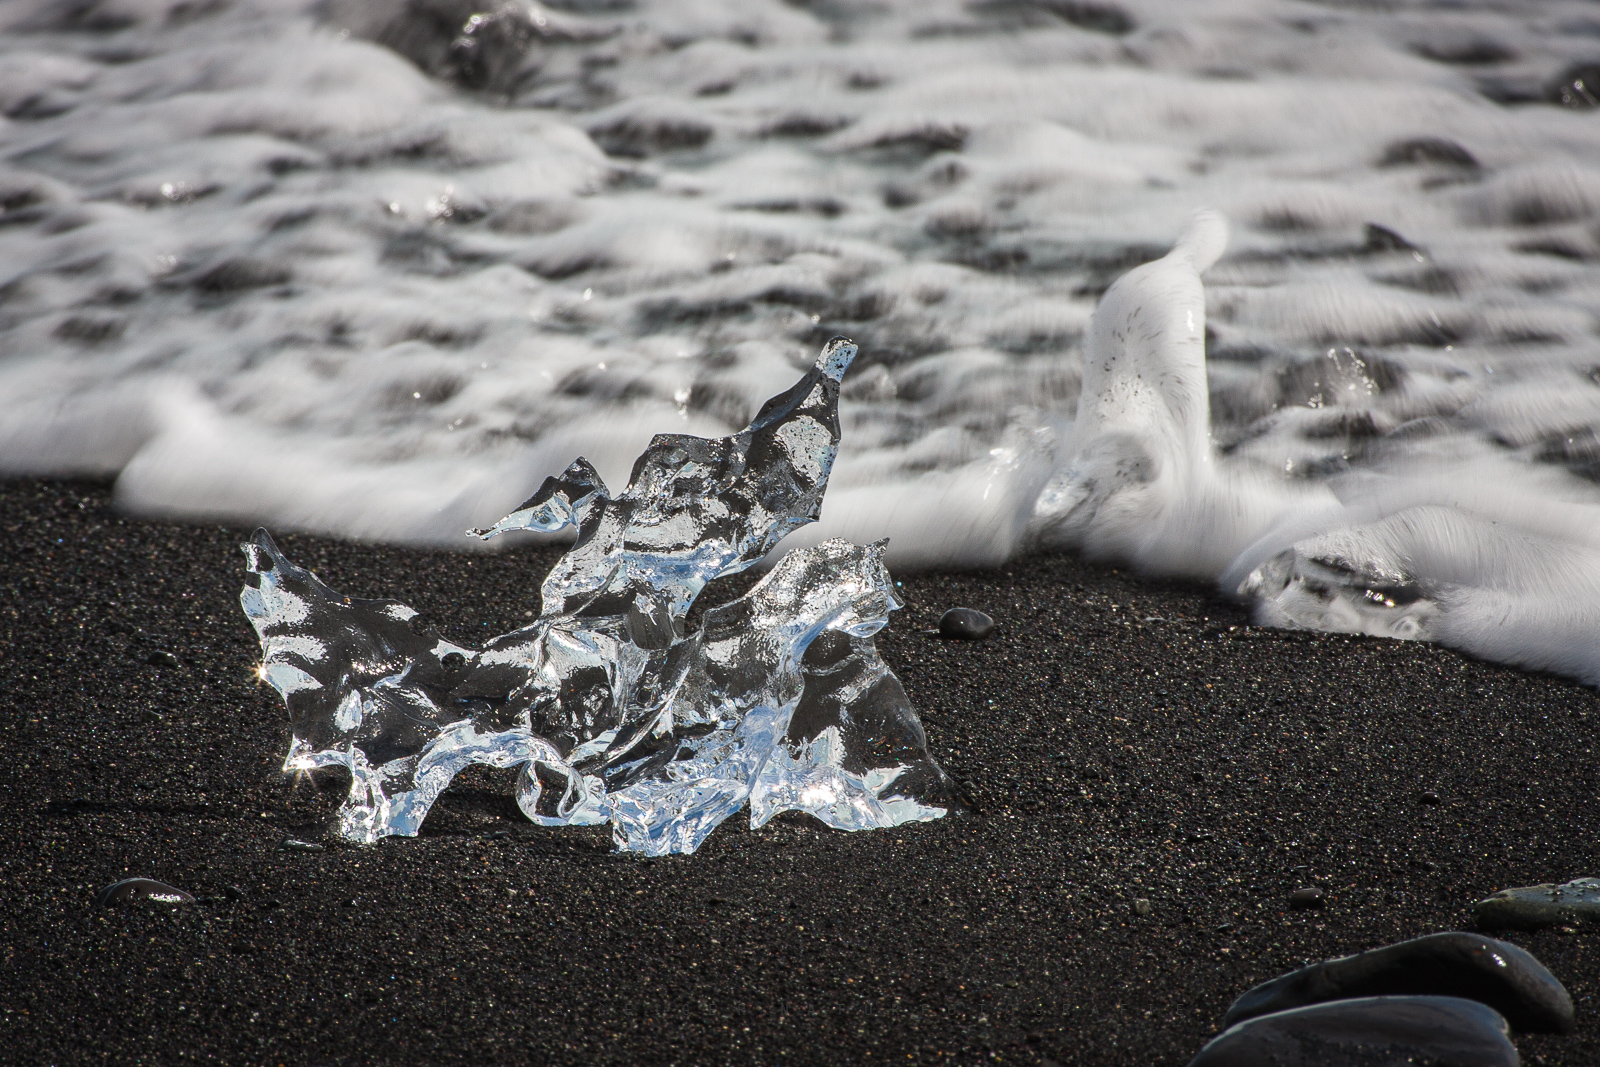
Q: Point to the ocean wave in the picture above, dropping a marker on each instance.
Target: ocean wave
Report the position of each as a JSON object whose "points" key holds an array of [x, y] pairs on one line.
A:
{"points": [[375, 269]]}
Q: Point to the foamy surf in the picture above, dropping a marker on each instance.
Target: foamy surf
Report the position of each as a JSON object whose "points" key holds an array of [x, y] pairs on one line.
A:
{"points": [[374, 269], [1411, 550]]}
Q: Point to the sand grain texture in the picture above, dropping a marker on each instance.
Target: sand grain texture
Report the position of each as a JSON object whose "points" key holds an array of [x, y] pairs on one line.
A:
{"points": [[1122, 740]]}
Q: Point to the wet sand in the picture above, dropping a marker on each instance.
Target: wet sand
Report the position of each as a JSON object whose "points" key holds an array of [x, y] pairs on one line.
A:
{"points": [[1120, 739]]}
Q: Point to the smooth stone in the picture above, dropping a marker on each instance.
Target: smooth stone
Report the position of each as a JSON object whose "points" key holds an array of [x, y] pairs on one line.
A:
{"points": [[130, 890], [294, 844], [1382, 239], [965, 624], [1141, 907], [162, 658], [1307, 897], [1369, 1032], [1427, 150], [1454, 964], [1534, 906]]}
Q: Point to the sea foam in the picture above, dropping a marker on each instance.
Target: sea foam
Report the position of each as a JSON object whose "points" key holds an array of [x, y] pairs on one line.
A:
{"points": [[373, 269]]}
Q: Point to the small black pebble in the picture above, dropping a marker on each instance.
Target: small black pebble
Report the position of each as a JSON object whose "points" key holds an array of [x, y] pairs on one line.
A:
{"points": [[1308, 897], [350, 903], [160, 658], [965, 624], [1141, 907], [453, 661], [233, 892], [294, 844], [1431, 797], [131, 890]]}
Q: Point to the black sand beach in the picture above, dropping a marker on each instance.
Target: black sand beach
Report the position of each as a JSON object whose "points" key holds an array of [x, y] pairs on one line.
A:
{"points": [[1121, 740]]}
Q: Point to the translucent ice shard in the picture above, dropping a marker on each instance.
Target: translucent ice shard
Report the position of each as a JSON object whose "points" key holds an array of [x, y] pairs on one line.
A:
{"points": [[612, 711]]}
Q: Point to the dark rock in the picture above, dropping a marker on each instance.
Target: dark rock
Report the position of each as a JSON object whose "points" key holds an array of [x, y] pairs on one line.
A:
{"points": [[1467, 51], [1531, 907], [91, 329], [1431, 798], [133, 890], [638, 134], [160, 658], [296, 845], [1141, 907], [1369, 1032], [805, 124], [478, 44], [1420, 150], [238, 274], [965, 624], [923, 140], [1096, 15], [1451, 964], [1382, 239], [1306, 897]]}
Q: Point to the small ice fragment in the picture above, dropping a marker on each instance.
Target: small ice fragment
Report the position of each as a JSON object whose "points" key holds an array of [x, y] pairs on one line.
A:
{"points": [[611, 709]]}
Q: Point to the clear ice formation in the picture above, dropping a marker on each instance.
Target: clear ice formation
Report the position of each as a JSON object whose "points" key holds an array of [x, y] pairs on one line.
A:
{"points": [[613, 710]]}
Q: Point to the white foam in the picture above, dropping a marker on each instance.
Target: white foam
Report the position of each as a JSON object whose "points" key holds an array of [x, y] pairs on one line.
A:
{"points": [[262, 267]]}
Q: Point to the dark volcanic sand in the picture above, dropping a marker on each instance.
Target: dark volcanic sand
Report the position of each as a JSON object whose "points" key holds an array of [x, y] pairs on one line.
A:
{"points": [[1122, 740]]}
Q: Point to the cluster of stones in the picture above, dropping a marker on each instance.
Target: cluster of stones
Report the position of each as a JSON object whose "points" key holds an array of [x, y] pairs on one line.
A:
{"points": [[1449, 999]]}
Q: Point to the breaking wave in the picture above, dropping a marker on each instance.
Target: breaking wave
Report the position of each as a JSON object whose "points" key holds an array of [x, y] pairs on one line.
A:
{"points": [[377, 268]]}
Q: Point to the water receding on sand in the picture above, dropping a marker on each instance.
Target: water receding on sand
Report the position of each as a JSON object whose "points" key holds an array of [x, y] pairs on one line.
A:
{"points": [[377, 269]]}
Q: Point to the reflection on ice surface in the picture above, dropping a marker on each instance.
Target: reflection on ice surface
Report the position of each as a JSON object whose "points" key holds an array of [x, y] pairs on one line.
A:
{"points": [[610, 708]]}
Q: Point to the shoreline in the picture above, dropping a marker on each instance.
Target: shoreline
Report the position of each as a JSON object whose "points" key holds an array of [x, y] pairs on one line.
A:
{"points": [[1121, 739]]}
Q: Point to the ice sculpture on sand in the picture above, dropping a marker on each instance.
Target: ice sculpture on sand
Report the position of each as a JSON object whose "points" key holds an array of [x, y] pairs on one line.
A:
{"points": [[612, 709]]}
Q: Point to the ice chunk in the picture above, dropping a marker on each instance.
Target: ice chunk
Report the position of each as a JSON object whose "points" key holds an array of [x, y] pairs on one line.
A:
{"points": [[1484, 568], [855, 755], [611, 710]]}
